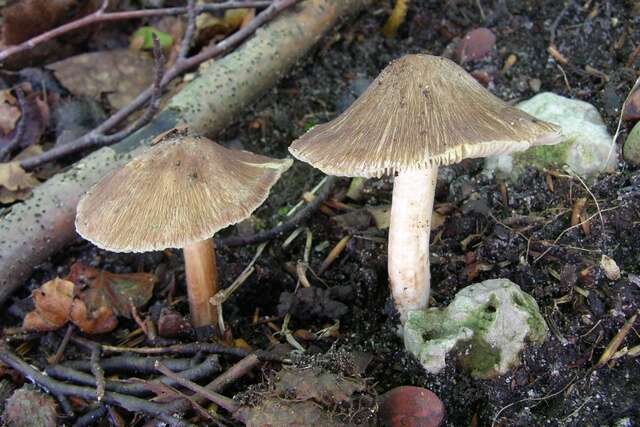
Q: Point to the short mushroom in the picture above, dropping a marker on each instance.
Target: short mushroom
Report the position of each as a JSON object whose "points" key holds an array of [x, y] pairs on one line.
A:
{"points": [[178, 194], [422, 111]]}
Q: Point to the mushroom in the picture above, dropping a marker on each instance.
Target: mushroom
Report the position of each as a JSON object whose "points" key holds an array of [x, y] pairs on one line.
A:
{"points": [[422, 111], [178, 194]]}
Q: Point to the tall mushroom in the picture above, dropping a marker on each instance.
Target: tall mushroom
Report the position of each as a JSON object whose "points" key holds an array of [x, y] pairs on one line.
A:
{"points": [[178, 194], [420, 112]]}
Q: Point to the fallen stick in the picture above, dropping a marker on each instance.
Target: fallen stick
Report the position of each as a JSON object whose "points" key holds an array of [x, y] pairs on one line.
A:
{"points": [[32, 231]]}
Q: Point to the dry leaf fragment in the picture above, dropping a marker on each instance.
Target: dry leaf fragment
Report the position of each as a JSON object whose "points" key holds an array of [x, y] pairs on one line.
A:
{"points": [[53, 302], [98, 288], [119, 74], [15, 183], [9, 111], [97, 322], [55, 305]]}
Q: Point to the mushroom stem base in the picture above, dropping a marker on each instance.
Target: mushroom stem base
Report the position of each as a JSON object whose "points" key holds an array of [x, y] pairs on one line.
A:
{"points": [[202, 281], [411, 210]]}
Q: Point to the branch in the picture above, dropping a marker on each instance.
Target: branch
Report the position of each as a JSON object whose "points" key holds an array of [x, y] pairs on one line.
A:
{"points": [[98, 138], [100, 16]]}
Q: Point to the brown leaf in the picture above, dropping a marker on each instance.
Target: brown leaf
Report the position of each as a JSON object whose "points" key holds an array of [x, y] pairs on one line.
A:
{"points": [[15, 183], [119, 74], [98, 288], [320, 386], [9, 111], [92, 322], [53, 302], [27, 18], [55, 305]]}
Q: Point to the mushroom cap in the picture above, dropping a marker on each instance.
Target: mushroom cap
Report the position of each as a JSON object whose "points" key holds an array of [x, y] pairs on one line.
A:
{"points": [[421, 110], [181, 191]]}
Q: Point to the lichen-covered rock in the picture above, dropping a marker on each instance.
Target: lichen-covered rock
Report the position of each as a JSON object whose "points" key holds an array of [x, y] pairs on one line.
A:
{"points": [[486, 324], [586, 148], [631, 149], [29, 408]]}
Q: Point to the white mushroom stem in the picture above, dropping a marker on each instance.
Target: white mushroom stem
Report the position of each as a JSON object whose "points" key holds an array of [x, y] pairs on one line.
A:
{"points": [[202, 281], [411, 210]]}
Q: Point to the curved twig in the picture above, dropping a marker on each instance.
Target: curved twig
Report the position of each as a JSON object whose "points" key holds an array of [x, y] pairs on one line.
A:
{"points": [[286, 226]]}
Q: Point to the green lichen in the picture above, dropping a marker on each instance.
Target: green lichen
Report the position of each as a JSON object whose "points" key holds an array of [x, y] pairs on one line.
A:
{"points": [[479, 357], [543, 156], [537, 325]]}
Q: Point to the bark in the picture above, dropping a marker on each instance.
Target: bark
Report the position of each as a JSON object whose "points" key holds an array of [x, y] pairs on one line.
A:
{"points": [[32, 231]]}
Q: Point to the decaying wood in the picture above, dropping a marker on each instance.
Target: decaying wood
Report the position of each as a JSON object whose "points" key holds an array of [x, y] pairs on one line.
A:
{"points": [[34, 230]]}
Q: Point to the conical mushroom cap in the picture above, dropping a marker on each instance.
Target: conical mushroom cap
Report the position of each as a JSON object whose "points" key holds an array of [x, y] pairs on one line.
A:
{"points": [[421, 110], [181, 191]]}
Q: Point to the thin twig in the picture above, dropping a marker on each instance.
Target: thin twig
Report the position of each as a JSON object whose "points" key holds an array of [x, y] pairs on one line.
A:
{"points": [[286, 226], [218, 399], [56, 358], [98, 137], [154, 102], [8, 148], [190, 30], [131, 364], [98, 372], [91, 417], [100, 16]]}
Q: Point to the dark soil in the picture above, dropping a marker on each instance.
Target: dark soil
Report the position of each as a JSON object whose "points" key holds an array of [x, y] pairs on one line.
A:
{"points": [[556, 383]]}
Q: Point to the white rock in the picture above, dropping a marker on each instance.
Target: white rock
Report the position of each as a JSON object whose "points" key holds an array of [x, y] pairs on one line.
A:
{"points": [[587, 147], [485, 326]]}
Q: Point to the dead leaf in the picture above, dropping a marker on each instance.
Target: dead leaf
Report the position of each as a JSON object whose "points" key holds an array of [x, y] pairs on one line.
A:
{"points": [[27, 18], [320, 386], [9, 111], [98, 288], [56, 304], [276, 412], [119, 74], [15, 183], [99, 321], [53, 302], [210, 27]]}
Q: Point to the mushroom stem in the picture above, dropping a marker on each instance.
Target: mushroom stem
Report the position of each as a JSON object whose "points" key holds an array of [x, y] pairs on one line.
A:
{"points": [[202, 281], [411, 210]]}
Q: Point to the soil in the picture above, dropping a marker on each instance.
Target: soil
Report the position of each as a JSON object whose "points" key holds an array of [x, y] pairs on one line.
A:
{"points": [[480, 239]]}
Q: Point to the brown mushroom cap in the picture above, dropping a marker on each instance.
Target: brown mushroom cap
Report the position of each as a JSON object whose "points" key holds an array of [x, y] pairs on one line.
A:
{"points": [[181, 191], [421, 110]]}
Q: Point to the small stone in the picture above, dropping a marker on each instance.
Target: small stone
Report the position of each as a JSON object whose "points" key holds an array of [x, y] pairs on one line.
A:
{"points": [[610, 268], [632, 107], [485, 326], [476, 44], [409, 406], [631, 148], [535, 85], [586, 148]]}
